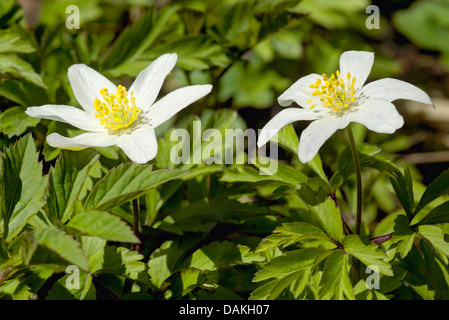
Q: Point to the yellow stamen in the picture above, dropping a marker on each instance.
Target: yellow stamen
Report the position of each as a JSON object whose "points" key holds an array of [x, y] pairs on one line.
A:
{"points": [[333, 92], [116, 112]]}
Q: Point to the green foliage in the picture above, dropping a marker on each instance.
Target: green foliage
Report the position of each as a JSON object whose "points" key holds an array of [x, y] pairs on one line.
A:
{"points": [[207, 229]]}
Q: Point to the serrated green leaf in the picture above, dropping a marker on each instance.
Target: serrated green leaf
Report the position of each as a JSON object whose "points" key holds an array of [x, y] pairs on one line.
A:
{"points": [[288, 139], [330, 219], [367, 252], [190, 279], [203, 215], [127, 182], [118, 260], [437, 188], [435, 235], [22, 186], [47, 246], [14, 121], [284, 173], [290, 233], [335, 283], [439, 214], [368, 159], [222, 255], [278, 20], [104, 225], [32, 280], [403, 235], [290, 262], [66, 180], [403, 187], [163, 261], [15, 66], [134, 40], [425, 272], [11, 42], [85, 291]]}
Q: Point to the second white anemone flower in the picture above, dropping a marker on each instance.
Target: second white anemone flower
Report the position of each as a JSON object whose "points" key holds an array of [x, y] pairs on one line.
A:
{"points": [[113, 115], [334, 102]]}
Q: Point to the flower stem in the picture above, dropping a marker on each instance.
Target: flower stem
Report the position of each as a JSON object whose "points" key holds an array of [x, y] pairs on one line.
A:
{"points": [[358, 176], [135, 202]]}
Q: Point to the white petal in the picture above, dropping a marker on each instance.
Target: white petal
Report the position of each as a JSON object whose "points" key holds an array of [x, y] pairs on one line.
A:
{"points": [[378, 115], [393, 89], [85, 140], [280, 120], [174, 102], [68, 114], [148, 83], [314, 136], [86, 85], [140, 145], [358, 64], [300, 92]]}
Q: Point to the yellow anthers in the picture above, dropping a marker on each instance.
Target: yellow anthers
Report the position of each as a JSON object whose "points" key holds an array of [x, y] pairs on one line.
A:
{"points": [[334, 92], [116, 112]]}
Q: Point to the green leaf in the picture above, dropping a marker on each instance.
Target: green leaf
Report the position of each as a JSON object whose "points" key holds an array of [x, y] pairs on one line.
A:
{"points": [[134, 40], [190, 279], [104, 225], [330, 219], [288, 139], [22, 186], [196, 52], [66, 180], [437, 188], [430, 20], [47, 246], [403, 187], [127, 182], [242, 173], [317, 166], [221, 255], [367, 252], [118, 260], [14, 121], [403, 235], [15, 66], [292, 261], [290, 233], [203, 215], [284, 173], [425, 272], [368, 159], [272, 289], [275, 21], [439, 214], [435, 235], [86, 290], [165, 260], [32, 280], [335, 281], [11, 42]]}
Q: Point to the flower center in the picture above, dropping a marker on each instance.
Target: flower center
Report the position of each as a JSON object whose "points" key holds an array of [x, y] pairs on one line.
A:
{"points": [[335, 93], [117, 111]]}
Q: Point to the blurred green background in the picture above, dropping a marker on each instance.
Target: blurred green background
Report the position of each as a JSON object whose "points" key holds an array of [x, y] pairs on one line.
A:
{"points": [[251, 51]]}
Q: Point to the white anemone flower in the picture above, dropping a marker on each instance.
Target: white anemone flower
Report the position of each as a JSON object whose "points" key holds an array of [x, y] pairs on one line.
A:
{"points": [[113, 115], [334, 102]]}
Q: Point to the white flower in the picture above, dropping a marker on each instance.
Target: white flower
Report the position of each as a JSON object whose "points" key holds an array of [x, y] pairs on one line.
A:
{"points": [[116, 116], [333, 102]]}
